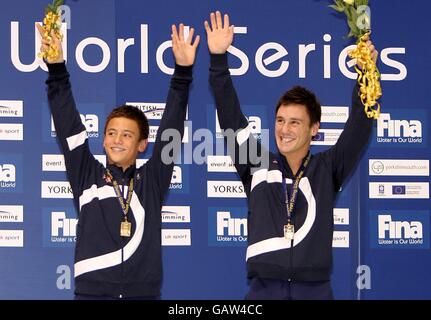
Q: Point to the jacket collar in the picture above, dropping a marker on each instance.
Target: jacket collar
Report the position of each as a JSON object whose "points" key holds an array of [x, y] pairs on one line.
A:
{"points": [[284, 165], [117, 172]]}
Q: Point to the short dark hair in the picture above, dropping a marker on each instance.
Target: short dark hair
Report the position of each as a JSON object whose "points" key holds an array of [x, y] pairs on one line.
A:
{"points": [[303, 96], [132, 113]]}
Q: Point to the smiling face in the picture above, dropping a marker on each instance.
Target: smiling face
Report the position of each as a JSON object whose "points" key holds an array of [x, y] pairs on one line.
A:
{"points": [[293, 131], [122, 142]]}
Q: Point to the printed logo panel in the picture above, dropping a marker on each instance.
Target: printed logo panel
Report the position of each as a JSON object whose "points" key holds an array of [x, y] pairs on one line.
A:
{"points": [[11, 213], [11, 173], [398, 167], [401, 128], [227, 226], [399, 190], [393, 229], [176, 237], [11, 108], [59, 227]]}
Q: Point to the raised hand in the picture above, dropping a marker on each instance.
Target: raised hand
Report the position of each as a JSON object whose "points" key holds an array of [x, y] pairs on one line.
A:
{"points": [[184, 50], [220, 34], [373, 52], [47, 42]]}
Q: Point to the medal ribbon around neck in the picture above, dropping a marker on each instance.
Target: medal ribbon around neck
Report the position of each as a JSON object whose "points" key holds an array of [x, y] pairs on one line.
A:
{"points": [[124, 206], [290, 202]]}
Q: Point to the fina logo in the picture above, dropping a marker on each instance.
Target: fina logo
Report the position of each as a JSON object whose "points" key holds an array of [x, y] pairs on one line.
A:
{"points": [[177, 179], [7, 176], [399, 233], [398, 131], [63, 229], [231, 229], [90, 121], [254, 125]]}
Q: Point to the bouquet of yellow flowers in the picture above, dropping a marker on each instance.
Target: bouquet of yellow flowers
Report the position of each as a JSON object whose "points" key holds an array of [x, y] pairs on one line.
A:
{"points": [[358, 19], [52, 23]]}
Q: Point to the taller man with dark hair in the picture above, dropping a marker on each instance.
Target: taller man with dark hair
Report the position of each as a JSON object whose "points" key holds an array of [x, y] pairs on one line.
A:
{"points": [[291, 198]]}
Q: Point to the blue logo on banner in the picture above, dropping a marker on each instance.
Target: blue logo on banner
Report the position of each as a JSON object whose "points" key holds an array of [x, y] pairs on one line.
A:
{"points": [[258, 124], [92, 117], [59, 227], [11, 168], [256, 115], [227, 226], [320, 136], [398, 189], [180, 179], [400, 229]]}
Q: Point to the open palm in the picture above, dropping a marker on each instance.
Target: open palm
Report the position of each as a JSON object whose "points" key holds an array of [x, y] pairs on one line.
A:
{"points": [[219, 34], [184, 50]]}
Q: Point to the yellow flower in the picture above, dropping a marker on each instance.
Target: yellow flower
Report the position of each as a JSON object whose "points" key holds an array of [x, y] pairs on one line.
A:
{"points": [[52, 24], [368, 77]]}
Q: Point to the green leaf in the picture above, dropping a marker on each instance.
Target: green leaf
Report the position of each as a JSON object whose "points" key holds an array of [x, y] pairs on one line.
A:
{"points": [[333, 6], [353, 13], [56, 4], [354, 29], [347, 12], [361, 3]]}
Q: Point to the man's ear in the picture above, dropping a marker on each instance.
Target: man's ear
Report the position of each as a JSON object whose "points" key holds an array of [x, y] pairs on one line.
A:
{"points": [[104, 146], [315, 128], [143, 145]]}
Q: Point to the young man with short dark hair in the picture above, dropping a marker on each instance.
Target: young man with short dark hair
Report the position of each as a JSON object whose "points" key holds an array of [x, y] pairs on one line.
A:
{"points": [[118, 247]]}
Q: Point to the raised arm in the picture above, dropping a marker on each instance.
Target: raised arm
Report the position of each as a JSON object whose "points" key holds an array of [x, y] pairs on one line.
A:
{"points": [[220, 37], [230, 116], [184, 50], [71, 133], [355, 136]]}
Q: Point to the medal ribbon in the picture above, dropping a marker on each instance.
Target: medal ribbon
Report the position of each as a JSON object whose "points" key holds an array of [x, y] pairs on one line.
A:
{"points": [[124, 206], [290, 202]]}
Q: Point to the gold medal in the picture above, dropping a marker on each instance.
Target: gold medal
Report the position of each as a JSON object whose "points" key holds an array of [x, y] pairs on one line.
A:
{"points": [[289, 231], [126, 229]]}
